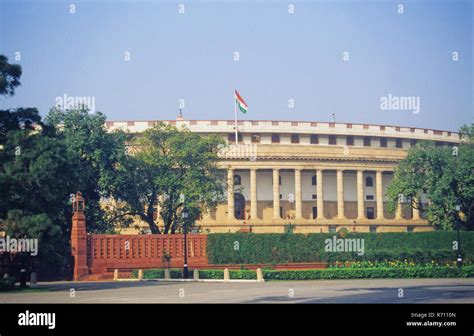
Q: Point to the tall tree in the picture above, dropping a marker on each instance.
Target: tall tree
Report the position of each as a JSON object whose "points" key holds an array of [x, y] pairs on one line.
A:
{"points": [[94, 153], [172, 169], [9, 76], [444, 176]]}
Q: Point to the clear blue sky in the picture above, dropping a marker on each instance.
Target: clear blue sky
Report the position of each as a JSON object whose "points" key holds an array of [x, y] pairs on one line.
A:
{"points": [[282, 56]]}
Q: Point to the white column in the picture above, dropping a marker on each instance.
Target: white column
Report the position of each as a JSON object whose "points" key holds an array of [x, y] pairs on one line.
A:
{"points": [[379, 192], [298, 202], [399, 213], [230, 194], [253, 194], [416, 212], [276, 194], [319, 194], [340, 194], [360, 195]]}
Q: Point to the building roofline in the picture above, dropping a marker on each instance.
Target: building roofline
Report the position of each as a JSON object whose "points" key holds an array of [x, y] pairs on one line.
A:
{"points": [[297, 121]]}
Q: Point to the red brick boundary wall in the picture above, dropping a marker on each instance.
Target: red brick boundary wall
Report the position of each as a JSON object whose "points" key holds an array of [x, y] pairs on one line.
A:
{"points": [[108, 252], [100, 254]]}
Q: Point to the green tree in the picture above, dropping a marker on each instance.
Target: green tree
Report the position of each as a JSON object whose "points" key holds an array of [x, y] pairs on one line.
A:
{"points": [[9, 76], [94, 153], [441, 174], [34, 188], [173, 169]]}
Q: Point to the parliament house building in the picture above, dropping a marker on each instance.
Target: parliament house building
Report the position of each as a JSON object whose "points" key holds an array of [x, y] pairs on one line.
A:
{"points": [[308, 176]]}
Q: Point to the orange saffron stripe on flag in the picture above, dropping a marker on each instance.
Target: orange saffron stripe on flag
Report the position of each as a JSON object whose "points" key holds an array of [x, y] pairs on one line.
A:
{"points": [[240, 98]]}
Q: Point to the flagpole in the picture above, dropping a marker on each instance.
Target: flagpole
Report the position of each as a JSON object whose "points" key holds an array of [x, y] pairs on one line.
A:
{"points": [[235, 116]]}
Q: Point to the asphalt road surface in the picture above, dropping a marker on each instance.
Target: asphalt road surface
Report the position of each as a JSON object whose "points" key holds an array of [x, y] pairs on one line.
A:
{"points": [[321, 291]]}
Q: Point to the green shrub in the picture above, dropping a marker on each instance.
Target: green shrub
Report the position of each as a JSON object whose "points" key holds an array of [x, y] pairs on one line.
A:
{"points": [[274, 248], [371, 273], [427, 271], [7, 284], [203, 274]]}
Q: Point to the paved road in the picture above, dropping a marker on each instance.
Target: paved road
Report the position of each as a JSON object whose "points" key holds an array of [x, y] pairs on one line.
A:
{"points": [[322, 291]]}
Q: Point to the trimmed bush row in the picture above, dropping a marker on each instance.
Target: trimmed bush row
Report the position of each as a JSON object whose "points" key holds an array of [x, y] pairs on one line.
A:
{"points": [[329, 273], [371, 273], [203, 274], [274, 248]]}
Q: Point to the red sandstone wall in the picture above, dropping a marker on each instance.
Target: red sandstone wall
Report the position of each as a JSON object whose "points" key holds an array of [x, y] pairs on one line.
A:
{"points": [[108, 252]]}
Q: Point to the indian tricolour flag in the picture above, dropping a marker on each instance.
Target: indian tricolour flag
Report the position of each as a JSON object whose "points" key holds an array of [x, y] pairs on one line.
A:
{"points": [[240, 102]]}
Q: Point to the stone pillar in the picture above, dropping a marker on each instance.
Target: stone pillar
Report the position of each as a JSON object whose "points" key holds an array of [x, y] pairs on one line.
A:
{"points": [[399, 213], [416, 212], [379, 192], [79, 238], [360, 195], [298, 201], [196, 274], [319, 194], [340, 194], [253, 194], [230, 194], [276, 194]]}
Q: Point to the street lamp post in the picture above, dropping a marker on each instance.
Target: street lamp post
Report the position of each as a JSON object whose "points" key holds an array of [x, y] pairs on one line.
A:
{"points": [[185, 267], [459, 257]]}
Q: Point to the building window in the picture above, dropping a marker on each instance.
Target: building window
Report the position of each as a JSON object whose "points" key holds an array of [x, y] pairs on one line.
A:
{"points": [[409, 228], [369, 182], [369, 197], [383, 142], [295, 138], [237, 180], [279, 180], [332, 140], [315, 212], [314, 139], [350, 141], [332, 228], [370, 213], [367, 141], [275, 138], [413, 143], [281, 212], [231, 137], [398, 143], [255, 138], [373, 229], [281, 196], [313, 180], [314, 196]]}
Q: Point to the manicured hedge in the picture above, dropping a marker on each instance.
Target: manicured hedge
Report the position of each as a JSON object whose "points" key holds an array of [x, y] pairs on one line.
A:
{"points": [[203, 274], [370, 273], [420, 247], [329, 273]]}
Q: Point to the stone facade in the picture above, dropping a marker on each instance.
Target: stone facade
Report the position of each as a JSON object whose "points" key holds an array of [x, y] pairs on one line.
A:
{"points": [[318, 177]]}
